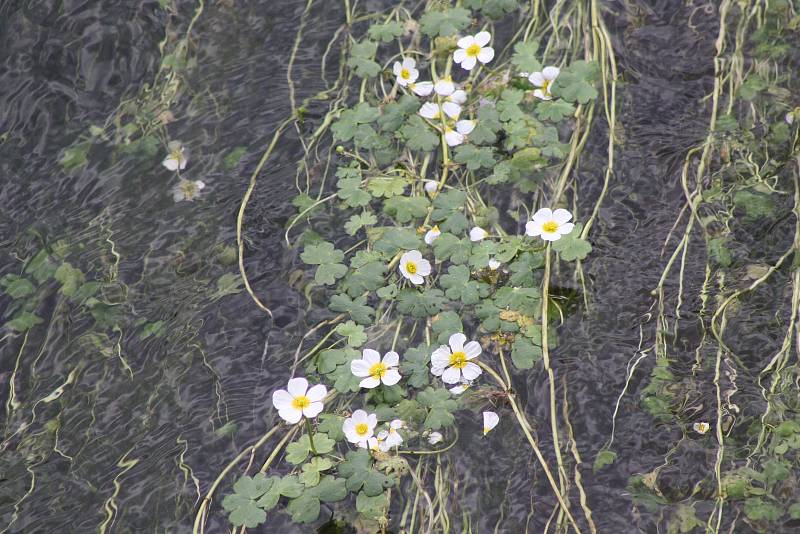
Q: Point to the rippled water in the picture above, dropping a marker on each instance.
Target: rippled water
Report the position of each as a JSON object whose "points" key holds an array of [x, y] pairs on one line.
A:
{"points": [[121, 428]]}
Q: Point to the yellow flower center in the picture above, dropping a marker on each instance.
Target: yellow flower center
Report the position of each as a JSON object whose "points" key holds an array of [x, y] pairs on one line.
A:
{"points": [[362, 429], [378, 370], [405, 74], [550, 226], [546, 87], [411, 267], [298, 403], [188, 188], [176, 154], [473, 50], [458, 360]]}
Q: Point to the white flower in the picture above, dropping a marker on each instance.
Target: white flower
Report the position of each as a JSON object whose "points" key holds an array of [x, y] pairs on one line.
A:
{"points": [[461, 388], [431, 186], [457, 136], [298, 401], [473, 49], [701, 428], [435, 437], [374, 370], [421, 88], [389, 439], [187, 190], [444, 86], [453, 364], [414, 267], [430, 111], [542, 80], [477, 234], [459, 96], [451, 109], [176, 157], [432, 234], [490, 420], [550, 225], [374, 443], [494, 264], [406, 72], [359, 427], [789, 117]]}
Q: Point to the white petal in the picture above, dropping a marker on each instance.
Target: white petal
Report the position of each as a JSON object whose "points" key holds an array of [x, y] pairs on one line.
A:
{"points": [[317, 393], [397, 423], [372, 420], [566, 228], [297, 386], [412, 255], [477, 234], [483, 38], [537, 79], [360, 368], [451, 109], [444, 87], [468, 63], [551, 73], [541, 95], [429, 110], [543, 215], [471, 371], [465, 42], [396, 68], [199, 184], [453, 138], [359, 416], [456, 341], [423, 267], [369, 382], [391, 377], [409, 63], [551, 236], [472, 349], [459, 96], [486, 54], [533, 229], [459, 389], [171, 164], [494, 264], [431, 235], [431, 186], [291, 415], [371, 356], [416, 279], [465, 127], [440, 357], [561, 216], [437, 371], [435, 437], [422, 88], [413, 74], [391, 359], [281, 399], [451, 375], [490, 420], [183, 163], [313, 409], [789, 118]]}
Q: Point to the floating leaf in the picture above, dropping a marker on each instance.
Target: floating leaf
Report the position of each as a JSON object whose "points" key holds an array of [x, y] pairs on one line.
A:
{"points": [[385, 32], [524, 57], [16, 286], [361, 59], [445, 23], [23, 321], [571, 247], [440, 405], [417, 134], [358, 470], [358, 221], [414, 366], [353, 332]]}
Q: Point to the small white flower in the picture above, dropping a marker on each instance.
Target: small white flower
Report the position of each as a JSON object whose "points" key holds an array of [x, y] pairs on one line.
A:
{"points": [[542, 80], [375, 371], [406, 71], [453, 364], [431, 186], [414, 267], [490, 420], [473, 49], [477, 234], [359, 427], [421, 88], [789, 118], [176, 156], [374, 443], [701, 428], [187, 190], [444, 86], [461, 388], [550, 225], [432, 234], [435, 437], [459, 135], [298, 401], [389, 439], [430, 111], [494, 264]]}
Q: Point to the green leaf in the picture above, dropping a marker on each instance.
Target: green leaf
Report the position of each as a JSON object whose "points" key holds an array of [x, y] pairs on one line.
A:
{"points": [[458, 286], [414, 366], [420, 304], [395, 113], [757, 509], [440, 407], [576, 82], [524, 354], [493, 9], [481, 253], [344, 129], [523, 268], [353, 332], [388, 292], [571, 247], [242, 506], [328, 273], [331, 424], [524, 57], [312, 470], [75, 156], [41, 267], [486, 127], [554, 110], [385, 32], [757, 206], [475, 157], [358, 221], [391, 240], [445, 23], [373, 507], [321, 253], [357, 469], [450, 247], [227, 284], [328, 360], [525, 300], [16, 286], [404, 209], [367, 277], [417, 135], [231, 160], [508, 107], [444, 325], [23, 321], [363, 257], [719, 252], [298, 451], [447, 203], [361, 59]]}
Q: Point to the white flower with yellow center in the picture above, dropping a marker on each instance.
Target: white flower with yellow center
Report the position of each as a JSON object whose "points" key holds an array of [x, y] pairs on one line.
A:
{"points": [[459, 135], [444, 86], [298, 401], [389, 439], [187, 190], [477, 234], [431, 186], [432, 234], [406, 71], [453, 363], [435, 437], [701, 427], [542, 80], [490, 420], [550, 225], [421, 88], [376, 371], [472, 49], [176, 156], [359, 427], [414, 267]]}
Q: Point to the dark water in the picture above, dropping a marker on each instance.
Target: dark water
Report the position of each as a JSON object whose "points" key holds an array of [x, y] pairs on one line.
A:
{"points": [[115, 429]]}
